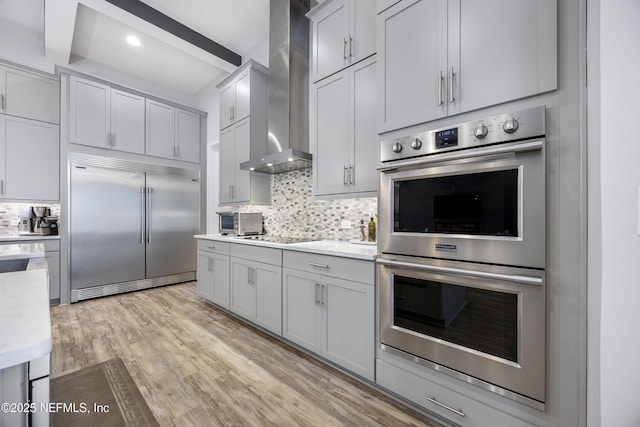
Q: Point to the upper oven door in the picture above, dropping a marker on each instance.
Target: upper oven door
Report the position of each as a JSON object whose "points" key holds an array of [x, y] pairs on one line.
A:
{"points": [[488, 208]]}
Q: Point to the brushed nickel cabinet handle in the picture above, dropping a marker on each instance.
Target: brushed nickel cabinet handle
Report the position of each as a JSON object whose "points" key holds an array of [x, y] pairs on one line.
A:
{"points": [[344, 48], [211, 247], [317, 296], [451, 98], [447, 407], [344, 176], [352, 175], [322, 301], [440, 81], [350, 46], [3, 102], [313, 264], [1, 186]]}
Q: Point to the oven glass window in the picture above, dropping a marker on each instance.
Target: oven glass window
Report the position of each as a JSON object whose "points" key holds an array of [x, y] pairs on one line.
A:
{"points": [[479, 319], [478, 204]]}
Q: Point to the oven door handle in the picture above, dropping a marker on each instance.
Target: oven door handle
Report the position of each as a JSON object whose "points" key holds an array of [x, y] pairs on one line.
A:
{"points": [[526, 280], [463, 154]]}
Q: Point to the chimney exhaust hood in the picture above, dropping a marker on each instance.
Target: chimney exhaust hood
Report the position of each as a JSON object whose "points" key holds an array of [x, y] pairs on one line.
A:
{"points": [[288, 114]]}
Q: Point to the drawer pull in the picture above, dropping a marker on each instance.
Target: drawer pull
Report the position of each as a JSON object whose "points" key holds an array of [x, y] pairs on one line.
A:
{"points": [[211, 247], [313, 264], [447, 407]]}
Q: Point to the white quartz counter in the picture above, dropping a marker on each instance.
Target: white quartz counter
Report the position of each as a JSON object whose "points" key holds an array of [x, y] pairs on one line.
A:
{"points": [[21, 251], [324, 247], [14, 238], [25, 325]]}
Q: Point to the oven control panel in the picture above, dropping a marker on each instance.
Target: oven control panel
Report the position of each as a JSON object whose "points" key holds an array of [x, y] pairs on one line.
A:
{"points": [[525, 124]]}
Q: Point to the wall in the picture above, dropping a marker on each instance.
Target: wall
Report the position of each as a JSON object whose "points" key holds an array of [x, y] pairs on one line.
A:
{"points": [[294, 212], [614, 192], [11, 212]]}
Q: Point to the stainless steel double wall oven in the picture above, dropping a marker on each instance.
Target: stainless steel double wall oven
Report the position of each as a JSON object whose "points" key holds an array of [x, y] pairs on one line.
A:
{"points": [[462, 251]]}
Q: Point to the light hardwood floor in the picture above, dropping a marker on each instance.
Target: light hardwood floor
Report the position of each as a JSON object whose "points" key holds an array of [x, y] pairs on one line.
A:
{"points": [[198, 366]]}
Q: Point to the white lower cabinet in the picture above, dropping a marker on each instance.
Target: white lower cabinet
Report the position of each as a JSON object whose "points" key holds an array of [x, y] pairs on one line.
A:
{"points": [[328, 315], [213, 272], [256, 285], [441, 399]]}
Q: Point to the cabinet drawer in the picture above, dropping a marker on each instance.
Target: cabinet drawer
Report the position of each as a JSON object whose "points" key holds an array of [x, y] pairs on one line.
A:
{"points": [[348, 269], [51, 245], [213, 246], [256, 253], [463, 410]]}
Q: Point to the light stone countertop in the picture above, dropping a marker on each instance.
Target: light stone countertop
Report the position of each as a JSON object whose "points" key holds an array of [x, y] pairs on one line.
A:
{"points": [[25, 325], [17, 238], [323, 247], [21, 251]]}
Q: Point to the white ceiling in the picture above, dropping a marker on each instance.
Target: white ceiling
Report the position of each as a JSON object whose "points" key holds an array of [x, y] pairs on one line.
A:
{"points": [[95, 30]]}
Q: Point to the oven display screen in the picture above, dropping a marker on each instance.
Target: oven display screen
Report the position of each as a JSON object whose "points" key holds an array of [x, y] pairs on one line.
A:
{"points": [[447, 138]]}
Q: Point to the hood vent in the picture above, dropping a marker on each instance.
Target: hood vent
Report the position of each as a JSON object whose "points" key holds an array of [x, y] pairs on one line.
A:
{"points": [[288, 114]]}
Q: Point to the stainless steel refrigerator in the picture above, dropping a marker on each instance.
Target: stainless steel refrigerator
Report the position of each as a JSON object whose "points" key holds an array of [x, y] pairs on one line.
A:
{"points": [[131, 226]]}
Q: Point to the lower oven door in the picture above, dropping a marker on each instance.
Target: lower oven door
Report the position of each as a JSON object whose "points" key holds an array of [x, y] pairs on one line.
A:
{"points": [[482, 322]]}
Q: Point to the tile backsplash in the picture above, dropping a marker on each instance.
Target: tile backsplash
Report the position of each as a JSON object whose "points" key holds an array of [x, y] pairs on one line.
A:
{"points": [[10, 212], [294, 212]]}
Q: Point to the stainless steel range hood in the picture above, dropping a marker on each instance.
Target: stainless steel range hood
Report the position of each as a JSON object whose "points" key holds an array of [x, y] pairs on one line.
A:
{"points": [[288, 115]]}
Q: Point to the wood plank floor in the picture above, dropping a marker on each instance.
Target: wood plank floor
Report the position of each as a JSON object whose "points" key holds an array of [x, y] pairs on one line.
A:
{"points": [[197, 366]]}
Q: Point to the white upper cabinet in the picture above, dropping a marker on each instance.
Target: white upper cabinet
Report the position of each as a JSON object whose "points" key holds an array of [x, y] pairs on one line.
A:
{"points": [[160, 135], [106, 117], [243, 135], [29, 95], [30, 164], [187, 127], [445, 57], [90, 113], [127, 121], [343, 131], [343, 33], [235, 96], [172, 133]]}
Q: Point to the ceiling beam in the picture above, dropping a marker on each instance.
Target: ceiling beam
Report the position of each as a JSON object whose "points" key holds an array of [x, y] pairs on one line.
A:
{"points": [[157, 18]]}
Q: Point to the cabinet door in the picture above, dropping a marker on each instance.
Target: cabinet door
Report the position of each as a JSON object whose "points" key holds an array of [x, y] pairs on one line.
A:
{"points": [[243, 292], [242, 189], [363, 29], [32, 161], [187, 136], [330, 134], [31, 96], [221, 284], [525, 63], [90, 113], [53, 264], [127, 121], [349, 326], [227, 169], [364, 156], [159, 130], [302, 313], [331, 40], [412, 58], [242, 106], [268, 283], [205, 275], [227, 103]]}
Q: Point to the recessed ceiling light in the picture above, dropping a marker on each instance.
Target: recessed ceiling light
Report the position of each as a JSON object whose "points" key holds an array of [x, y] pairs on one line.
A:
{"points": [[133, 40], [269, 164], [252, 169], [290, 159]]}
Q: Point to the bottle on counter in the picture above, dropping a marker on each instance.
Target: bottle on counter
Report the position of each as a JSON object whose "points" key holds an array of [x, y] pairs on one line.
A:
{"points": [[363, 236], [371, 231]]}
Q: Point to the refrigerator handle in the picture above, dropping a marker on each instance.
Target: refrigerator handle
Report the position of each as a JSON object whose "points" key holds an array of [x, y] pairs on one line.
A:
{"points": [[149, 190], [141, 214]]}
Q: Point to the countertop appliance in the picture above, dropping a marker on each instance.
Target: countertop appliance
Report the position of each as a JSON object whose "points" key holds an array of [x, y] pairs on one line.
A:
{"points": [[461, 252], [131, 225], [240, 223]]}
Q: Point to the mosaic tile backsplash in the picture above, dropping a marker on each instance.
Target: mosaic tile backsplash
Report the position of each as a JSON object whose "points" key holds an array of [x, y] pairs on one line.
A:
{"points": [[13, 211], [294, 213]]}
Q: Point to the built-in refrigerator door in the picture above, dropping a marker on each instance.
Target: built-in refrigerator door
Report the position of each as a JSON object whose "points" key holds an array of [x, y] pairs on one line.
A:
{"points": [[107, 226], [173, 217]]}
